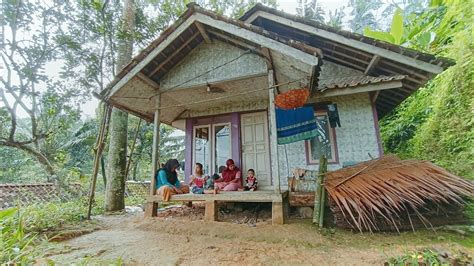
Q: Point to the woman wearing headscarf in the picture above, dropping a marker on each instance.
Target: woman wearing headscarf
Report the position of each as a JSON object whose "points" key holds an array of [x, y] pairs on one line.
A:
{"points": [[167, 182], [230, 179]]}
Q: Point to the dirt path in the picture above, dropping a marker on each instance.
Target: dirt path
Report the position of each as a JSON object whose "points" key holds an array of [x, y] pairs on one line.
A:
{"points": [[188, 240]]}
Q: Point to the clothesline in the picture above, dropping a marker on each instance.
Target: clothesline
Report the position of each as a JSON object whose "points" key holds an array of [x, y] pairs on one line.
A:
{"points": [[217, 98]]}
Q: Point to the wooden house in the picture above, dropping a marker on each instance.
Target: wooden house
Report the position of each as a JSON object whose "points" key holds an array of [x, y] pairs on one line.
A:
{"points": [[216, 78]]}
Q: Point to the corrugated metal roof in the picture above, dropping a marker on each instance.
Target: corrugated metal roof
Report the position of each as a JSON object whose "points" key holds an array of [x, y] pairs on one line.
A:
{"points": [[355, 81]]}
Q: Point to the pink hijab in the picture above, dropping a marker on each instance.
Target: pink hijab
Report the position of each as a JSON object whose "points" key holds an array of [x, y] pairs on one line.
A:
{"points": [[229, 175]]}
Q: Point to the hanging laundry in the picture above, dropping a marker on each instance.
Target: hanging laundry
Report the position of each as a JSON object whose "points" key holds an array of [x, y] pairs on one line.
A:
{"points": [[333, 115], [292, 99], [295, 124]]}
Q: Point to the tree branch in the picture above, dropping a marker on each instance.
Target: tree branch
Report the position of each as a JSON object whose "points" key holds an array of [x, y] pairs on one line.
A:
{"points": [[37, 154]]}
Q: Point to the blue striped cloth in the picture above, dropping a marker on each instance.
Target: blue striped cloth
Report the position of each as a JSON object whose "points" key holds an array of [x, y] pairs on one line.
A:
{"points": [[295, 124]]}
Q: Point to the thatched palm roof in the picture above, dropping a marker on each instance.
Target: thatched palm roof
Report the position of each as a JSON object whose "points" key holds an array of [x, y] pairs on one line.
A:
{"points": [[392, 189]]}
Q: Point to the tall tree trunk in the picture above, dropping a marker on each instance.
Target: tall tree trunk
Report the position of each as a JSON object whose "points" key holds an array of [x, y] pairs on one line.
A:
{"points": [[117, 157]]}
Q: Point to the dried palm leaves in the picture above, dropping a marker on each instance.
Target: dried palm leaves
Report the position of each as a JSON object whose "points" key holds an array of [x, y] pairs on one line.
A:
{"points": [[391, 188]]}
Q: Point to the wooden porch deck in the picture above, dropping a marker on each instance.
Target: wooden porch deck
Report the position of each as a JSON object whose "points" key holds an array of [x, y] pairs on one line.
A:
{"points": [[279, 202]]}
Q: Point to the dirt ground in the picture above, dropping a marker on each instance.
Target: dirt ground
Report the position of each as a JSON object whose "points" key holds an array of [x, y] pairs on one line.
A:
{"points": [[179, 236]]}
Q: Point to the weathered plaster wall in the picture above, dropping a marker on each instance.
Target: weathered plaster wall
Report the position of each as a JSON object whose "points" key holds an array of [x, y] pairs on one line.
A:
{"points": [[231, 107], [356, 137], [208, 56]]}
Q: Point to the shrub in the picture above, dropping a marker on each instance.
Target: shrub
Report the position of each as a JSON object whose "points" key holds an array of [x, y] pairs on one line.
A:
{"points": [[15, 243]]}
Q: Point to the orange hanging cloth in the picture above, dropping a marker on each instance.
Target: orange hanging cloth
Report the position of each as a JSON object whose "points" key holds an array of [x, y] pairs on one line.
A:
{"points": [[292, 99]]}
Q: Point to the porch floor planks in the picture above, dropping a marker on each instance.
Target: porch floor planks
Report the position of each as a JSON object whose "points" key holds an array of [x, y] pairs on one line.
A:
{"points": [[277, 200], [231, 196]]}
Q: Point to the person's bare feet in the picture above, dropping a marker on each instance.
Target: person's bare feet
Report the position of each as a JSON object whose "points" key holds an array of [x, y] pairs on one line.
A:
{"points": [[216, 190]]}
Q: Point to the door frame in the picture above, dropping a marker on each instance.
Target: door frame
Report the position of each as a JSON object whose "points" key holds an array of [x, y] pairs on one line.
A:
{"points": [[194, 147], [267, 144], [212, 142]]}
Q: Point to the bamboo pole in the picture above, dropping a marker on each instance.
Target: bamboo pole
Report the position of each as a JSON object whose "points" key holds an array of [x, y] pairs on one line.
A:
{"points": [[102, 167], [318, 197], [156, 145], [127, 169], [322, 200], [151, 207], [274, 161], [98, 149]]}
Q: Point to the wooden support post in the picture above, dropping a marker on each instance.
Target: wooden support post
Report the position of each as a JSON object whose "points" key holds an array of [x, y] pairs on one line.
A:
{"points": [[374, 95], [203, 32], [278, 213], [372, 64], [150, 209], [273, 134], [210, 214]]}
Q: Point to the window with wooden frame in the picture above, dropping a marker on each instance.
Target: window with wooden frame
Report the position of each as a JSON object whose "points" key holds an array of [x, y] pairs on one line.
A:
{"points": [[212, 146], [324, 143]]}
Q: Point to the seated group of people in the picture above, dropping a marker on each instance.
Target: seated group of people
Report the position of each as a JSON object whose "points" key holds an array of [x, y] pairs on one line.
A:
{"points": [[229, 179]]}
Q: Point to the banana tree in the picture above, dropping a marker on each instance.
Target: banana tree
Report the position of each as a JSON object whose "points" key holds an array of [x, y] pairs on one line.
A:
{"points": [[412, 31]]}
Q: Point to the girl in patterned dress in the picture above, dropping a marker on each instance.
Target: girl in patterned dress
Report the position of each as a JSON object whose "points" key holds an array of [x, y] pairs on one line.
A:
{"points": [[200, 183]]}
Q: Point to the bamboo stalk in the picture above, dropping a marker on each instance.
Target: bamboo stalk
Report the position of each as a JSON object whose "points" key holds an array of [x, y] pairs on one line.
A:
{"points": [[102, 166], [322, 200], [137, 131], [317, 214], [98, 148]]}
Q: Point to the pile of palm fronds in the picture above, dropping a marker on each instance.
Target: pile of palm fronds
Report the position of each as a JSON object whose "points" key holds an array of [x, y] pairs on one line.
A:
{"points": [[391, 189]]}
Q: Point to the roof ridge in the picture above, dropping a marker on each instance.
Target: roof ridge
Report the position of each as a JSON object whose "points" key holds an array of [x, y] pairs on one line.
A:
{"points": [[353, 35]]}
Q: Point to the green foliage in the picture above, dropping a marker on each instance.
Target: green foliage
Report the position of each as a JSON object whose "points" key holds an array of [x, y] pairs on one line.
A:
{"points": [[437, 122], [409, 29], [363, 14], [15, 244], [428, 257], [82, 38], [311, 10], [16, 167], [396, 30], [134, 200], [398, 129], [335, 19], [20, 229], [171, 146], [42, 217]]}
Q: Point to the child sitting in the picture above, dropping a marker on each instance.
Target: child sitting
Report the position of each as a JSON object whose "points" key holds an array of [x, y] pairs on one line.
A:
{"points": [[251, 181], [201, 184]]}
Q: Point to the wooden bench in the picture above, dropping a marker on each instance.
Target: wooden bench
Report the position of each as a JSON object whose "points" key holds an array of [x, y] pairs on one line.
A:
{"points": [[278, 201]]}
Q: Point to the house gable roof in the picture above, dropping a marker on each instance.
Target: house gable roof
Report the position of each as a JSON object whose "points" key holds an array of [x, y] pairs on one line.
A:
{"points": [[371, 57], [144, 77], [288, 36], [152, 63]]}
